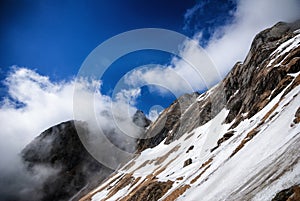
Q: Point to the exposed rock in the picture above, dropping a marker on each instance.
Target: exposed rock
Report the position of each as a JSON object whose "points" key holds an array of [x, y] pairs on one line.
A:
{"points": [[190, 148], [167, 122], [289, 194], [251, 81], [60, 148], [225, 137], [187, 162], [297, 116]]}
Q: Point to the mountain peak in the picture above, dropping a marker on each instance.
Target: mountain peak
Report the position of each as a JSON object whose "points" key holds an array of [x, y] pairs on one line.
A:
{"points": [[70, 168]]}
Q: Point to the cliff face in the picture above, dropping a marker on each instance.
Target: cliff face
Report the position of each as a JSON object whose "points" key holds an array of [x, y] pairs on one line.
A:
{"points": [[238, 141]]}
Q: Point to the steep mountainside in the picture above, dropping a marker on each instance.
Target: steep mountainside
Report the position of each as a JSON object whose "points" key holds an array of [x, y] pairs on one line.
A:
{"points": [[238, 141]]}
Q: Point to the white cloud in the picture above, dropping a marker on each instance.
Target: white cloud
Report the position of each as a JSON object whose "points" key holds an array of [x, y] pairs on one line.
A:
{"points": [[251, 17], [35, 103], [193, 70], [228, 45], [45, 104], [165, 77], [128, 95], [153, 114]]}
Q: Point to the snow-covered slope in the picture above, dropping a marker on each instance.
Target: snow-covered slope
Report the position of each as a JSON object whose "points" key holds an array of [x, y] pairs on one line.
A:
{"points": [[238, 141]]}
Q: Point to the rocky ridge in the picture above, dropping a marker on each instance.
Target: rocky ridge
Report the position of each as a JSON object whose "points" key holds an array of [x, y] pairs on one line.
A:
{"points": [[238, 141]]}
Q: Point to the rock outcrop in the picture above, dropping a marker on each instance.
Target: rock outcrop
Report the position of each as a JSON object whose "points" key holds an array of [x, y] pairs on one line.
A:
{"points": [[289, 194]]}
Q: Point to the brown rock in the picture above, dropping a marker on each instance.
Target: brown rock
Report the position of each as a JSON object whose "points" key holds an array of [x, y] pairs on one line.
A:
{"points": [[187, 162]]}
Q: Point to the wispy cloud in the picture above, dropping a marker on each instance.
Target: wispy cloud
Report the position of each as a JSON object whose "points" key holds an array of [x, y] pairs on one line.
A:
{"points": [[226, 42], [231, 42], [206, 16], [192, 70]]}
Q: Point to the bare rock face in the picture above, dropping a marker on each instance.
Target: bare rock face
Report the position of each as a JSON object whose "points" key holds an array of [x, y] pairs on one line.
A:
{"points": [[244, 91], [71, 168], [167, 123], [252, 82]]}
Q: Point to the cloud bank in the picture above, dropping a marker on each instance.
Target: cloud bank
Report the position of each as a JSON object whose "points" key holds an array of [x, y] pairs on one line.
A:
{"points": [[35, 103]]}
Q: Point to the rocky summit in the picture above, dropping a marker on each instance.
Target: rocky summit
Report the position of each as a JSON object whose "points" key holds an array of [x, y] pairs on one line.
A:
{"points": [[238, 141]]}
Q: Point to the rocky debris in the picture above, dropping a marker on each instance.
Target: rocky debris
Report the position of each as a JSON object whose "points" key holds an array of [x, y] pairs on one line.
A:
{"points": [[203, 167], [127, 180], [152, 191], [289, 194], [297, 116], [177, 192], [225, 137], [248, 137], [190, 148], [187, 162], [60, 148], [147, 189]]}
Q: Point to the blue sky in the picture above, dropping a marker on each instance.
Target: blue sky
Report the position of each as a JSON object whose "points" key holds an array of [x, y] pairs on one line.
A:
{"points": [[54, 37]]}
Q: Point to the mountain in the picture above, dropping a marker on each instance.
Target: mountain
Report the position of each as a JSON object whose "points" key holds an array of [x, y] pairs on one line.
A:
{"points": [[63, 167], [59, 151], [238, 141]]}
